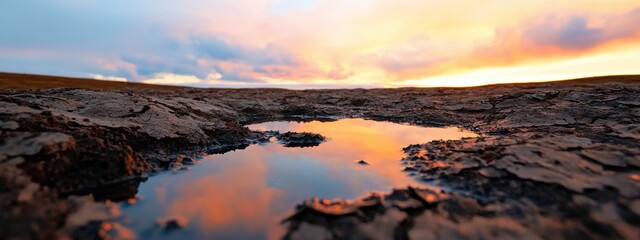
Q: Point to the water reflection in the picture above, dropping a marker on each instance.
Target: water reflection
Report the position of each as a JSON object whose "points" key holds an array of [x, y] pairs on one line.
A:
{"points": [[244, 194]]}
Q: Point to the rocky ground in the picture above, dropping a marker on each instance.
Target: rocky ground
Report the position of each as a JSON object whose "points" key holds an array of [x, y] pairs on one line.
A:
{"points": [[554, 160]]}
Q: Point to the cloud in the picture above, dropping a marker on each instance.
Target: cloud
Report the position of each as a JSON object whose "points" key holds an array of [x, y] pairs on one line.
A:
{"points": [[549, 37], [172, 79], [331, 42], [147, 66], [557, 36], [581, 32], [416, 54], [302, 73], [211, 80], [573, 33], [215, 48], [176, 79], [622, 62], [107, 78]]}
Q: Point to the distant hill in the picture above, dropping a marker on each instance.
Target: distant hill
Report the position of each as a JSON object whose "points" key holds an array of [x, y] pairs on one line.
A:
{"points": [[30, 81]]}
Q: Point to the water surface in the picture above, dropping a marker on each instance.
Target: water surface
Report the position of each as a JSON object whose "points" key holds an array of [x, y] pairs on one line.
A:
{"points": [[244, 194]]}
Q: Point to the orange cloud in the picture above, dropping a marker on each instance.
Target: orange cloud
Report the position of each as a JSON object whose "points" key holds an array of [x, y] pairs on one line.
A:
{"points": [[562, 36], [552, 37]]}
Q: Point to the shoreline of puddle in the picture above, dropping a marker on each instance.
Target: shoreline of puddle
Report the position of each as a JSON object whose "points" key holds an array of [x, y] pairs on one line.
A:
{"points": [[381, 174]]}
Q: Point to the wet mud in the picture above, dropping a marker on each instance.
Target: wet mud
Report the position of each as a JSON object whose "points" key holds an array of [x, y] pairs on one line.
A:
{"points": [[558, 160]]}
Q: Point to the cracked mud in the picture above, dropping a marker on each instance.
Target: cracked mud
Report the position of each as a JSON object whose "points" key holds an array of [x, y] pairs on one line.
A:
{"points": [[559, 160]]}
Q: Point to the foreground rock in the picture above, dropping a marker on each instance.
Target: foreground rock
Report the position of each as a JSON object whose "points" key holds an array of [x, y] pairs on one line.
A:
{"points": [[554, 160], [57, 141], [561, 163], [515, 187]]}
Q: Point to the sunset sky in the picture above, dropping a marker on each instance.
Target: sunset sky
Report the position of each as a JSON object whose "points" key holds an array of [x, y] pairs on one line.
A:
{"points": [[321, 44]]}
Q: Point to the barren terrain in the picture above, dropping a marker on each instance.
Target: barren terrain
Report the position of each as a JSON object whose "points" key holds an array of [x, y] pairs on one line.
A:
{"points": [[553, 160]]}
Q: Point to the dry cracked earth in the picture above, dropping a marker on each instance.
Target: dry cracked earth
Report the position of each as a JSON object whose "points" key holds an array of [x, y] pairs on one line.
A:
{"points": [[553, 160]]}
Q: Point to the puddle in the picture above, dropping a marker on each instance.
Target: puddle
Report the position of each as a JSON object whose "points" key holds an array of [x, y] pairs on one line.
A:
{"points": [[244, 194]]}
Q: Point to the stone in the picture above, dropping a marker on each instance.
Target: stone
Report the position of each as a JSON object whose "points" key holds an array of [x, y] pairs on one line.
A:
{"points": [[293, 139], [172, 223], [9, 125], [27, 144]]}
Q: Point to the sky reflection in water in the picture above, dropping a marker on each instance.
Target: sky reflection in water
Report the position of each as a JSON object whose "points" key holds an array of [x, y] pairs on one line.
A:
{"points": [[245, 194]]}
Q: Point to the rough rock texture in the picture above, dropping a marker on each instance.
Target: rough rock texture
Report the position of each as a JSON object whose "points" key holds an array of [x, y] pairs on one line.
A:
{"points": [[60, 140], [304, 139], [555, 160], [561, 163]]}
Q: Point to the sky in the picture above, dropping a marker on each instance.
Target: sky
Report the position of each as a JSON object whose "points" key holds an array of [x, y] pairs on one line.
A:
{"points": [[321, 44]]}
